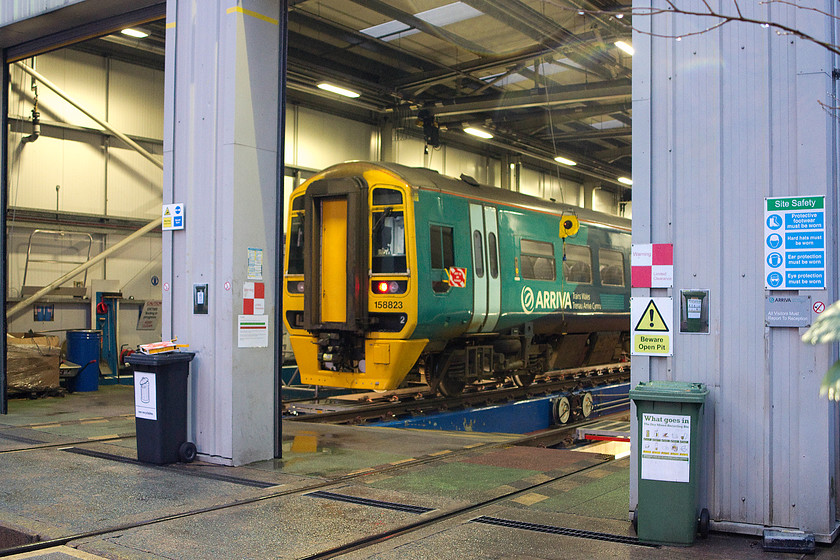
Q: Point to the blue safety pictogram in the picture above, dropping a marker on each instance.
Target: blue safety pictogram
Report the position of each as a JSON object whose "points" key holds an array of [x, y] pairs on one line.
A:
{"points": [[774, 279], [774, 240], [774, 221], [775, 260]]}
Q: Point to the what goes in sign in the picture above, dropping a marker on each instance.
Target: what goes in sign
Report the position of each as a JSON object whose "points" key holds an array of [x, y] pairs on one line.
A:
{"points": [[654, 344]]}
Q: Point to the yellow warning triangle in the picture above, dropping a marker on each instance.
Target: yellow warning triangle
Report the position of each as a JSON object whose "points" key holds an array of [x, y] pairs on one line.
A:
{"points": [[166, 212], [651, 320]]}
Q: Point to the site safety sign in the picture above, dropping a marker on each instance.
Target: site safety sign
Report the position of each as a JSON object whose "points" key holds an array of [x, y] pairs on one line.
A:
{"points": [[652, 322], [794, 243]]}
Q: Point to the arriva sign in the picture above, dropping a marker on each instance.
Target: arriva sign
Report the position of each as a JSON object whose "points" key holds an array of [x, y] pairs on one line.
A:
{"points": [[544, 300]]}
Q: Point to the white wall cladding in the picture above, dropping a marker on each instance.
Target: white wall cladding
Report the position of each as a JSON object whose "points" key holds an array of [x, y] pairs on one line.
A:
{"points": [[17, 10], [545, 185], [96, 174], [318, 140], [722, 120]]}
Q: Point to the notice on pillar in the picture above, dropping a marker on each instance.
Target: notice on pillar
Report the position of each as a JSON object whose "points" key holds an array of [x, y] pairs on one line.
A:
{"points": [[255, 261], [794, 243], [666, 446], [253, 331], [145, 395], [172, 216], [652, 318]]}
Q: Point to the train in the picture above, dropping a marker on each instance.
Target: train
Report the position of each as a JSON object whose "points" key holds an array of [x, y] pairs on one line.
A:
{"points": [[396, 274]]}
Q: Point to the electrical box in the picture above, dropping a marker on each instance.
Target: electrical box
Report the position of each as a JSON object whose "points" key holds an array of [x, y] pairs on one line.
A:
{"points": [[200, 299]]}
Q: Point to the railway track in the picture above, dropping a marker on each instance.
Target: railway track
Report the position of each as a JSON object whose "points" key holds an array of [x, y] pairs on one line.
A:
{"points": [[421, 402]]}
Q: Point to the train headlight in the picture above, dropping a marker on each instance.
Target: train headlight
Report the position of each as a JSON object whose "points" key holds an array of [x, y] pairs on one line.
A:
{"points": [[300, 287], [382, 287], [393, 287]]}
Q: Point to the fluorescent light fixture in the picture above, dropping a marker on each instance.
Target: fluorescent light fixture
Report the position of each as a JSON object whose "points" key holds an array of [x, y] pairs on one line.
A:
{"points": [[478, 132], [443, 15], [338, 90], [625, 181], [564, 161], [626, 47], [136, 33]]}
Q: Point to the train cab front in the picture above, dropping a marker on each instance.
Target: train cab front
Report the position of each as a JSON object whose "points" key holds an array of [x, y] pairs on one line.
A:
{"points": [[350, 301]]}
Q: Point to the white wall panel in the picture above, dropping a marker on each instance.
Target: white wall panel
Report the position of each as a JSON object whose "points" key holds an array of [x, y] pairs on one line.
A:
{"points": [[604, 201], [135, 185], [80, 75], [323, 140], [721, 121], [135, 99], [73, 162], [410, 152]]}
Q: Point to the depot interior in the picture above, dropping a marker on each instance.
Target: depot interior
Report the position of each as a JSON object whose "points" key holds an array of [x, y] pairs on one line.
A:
{"points": [[523, 95]]}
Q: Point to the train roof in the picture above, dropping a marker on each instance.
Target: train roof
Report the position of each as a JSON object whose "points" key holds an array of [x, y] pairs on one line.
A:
{"points": [[420, 177]]}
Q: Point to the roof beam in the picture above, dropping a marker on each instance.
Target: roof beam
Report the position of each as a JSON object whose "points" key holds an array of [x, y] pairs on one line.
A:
{"points": [[600, 91]]}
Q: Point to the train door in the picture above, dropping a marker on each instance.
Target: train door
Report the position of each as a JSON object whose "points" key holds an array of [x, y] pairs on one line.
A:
{"points": [[484, 232], [333, 253]]}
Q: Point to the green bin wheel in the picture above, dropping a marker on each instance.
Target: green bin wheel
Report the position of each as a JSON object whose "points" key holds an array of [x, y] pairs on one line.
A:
{"points": [[187, 452], [704, 523]]}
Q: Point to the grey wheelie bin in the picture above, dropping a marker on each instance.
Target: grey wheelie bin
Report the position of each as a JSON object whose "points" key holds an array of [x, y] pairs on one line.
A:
{"points": [[670, 418], [160, 405]]}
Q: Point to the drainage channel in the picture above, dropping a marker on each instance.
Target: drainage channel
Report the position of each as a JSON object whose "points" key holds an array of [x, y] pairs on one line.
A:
{"points": [[431, 520], [310, 489]]}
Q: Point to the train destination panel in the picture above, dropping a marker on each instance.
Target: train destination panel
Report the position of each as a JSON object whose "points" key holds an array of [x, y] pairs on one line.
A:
{"points": [[794, 243]]}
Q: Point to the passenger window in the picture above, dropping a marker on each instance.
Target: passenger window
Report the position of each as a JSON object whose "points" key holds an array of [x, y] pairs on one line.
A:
{"points": [[493, 255], [442, 255], [538, 262], [611, 267], [577, 267], [478, 253]]}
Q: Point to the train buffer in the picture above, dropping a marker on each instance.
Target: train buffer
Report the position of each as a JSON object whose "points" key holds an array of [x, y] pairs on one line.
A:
{"points": [[605, 430]]}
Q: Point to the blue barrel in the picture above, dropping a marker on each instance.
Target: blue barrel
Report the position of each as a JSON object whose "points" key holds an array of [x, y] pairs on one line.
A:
{"points": [[83, 349]]}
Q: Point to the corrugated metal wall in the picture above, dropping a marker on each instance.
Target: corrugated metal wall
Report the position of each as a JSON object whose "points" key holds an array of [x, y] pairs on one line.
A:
{"points": [[721, 120]]}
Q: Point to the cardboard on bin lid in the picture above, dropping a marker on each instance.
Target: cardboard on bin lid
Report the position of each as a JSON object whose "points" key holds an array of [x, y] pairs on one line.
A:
{"points": [[670, 391]]}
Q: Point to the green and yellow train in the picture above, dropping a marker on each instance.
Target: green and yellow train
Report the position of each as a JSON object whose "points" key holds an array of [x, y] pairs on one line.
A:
{"points": [[395, 273]]}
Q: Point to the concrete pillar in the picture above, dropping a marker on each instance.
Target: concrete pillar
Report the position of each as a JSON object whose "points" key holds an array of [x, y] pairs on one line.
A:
{"points": [[589, 187], [221, 161]]}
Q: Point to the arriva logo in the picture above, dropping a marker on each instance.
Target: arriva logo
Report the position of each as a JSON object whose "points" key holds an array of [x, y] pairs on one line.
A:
{"points": [[544, 300]]}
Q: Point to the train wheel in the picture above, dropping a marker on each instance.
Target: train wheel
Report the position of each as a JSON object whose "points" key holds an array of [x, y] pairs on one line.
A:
{"points": [[586, 405], [523, 379], [561, 410], [450, 387]]}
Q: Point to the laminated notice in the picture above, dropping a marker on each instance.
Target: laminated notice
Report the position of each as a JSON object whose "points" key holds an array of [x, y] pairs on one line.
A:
{"points": [[666, 447]]}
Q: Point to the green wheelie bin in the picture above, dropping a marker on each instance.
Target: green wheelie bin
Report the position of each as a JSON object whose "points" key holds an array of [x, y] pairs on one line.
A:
{"points": [[670, 418]]}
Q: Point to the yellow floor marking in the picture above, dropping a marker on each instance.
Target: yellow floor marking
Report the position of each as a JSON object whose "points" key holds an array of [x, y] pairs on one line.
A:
{"points": [[109, 436], [444, 452], [42, 426], [362, 471], [103, 421], [403, 461], [530, 499]]}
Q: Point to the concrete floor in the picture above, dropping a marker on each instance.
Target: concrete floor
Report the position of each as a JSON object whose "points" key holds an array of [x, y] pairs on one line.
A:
{"points": [[70, 476]]}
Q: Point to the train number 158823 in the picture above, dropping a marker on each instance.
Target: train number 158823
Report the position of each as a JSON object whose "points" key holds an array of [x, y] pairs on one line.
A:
{"points": [[388, 304]]}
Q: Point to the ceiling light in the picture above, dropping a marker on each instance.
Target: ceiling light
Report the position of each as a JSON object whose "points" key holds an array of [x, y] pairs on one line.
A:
{"points": [[626, 47], [338, 90], [478, 132], [564, 161], [136, 33], [625, 181]]}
